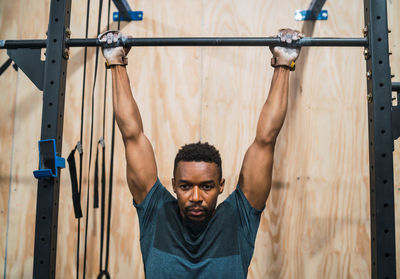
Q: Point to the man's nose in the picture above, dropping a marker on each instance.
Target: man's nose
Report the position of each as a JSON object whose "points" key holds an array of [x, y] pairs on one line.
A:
{"points": [[196, 197]]}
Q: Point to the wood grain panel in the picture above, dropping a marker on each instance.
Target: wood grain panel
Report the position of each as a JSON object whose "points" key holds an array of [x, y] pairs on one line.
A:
{"points": [[8, 81], [22, 201], [316, 221]]}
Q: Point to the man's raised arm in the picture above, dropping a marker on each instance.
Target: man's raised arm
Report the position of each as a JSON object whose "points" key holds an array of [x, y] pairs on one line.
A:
{"points": [[256, 175], [141, 169]]}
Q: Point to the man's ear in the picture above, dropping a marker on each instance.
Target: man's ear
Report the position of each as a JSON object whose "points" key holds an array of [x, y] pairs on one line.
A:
{"points": [[221, 186], [173, 184]]}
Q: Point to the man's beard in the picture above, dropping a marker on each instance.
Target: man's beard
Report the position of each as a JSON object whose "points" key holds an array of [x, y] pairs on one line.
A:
{"points": [[197, 226]]}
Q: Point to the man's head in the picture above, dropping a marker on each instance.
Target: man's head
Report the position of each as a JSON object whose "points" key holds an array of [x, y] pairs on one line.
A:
{"points": [[197, 180]]}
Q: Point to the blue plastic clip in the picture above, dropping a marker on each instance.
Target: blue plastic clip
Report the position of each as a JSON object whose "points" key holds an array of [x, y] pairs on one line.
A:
{"points": [[134, 15], [49, 162], [301, 15]]}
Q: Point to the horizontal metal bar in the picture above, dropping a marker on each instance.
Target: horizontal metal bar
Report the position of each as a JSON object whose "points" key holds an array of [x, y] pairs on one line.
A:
{"points": [[396, 86], [225, 41], [198, 41]]}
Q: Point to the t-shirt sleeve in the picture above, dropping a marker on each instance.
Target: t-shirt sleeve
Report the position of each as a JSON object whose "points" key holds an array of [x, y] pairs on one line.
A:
{"points": [[249, 216], [147, 209]]}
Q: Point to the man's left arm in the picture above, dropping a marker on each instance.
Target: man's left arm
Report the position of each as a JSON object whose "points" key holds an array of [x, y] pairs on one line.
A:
{"points": [[256, 174]]}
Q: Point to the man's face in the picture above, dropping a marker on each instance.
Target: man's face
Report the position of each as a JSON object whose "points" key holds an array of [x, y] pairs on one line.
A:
{"points": [[197, 186]]}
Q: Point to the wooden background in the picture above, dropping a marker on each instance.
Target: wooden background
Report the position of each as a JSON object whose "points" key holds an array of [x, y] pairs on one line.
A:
{"points": [[316, 221]]}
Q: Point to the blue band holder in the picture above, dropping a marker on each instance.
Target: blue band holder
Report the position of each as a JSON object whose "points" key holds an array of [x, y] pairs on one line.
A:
{"points": [[49, 162]]}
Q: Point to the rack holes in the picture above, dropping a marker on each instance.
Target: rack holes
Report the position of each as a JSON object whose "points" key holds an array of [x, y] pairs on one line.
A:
{"points": [[61, 115], [386, 231], [372, 167], [378, 17], [50, 104], [383, 155], [63, 73], [382, 108], [48, 126], [381, 84], [383, 132], [43, 239], [380, 62], [373, 263], [372, 191], [372, 144], [384, 181], [45, 186], [59, 137], [41, 262], [53, 61], [379, 39], [43, 217], [385, 205], [370, 120], [56, 19], [387, 255], [55, 40]]}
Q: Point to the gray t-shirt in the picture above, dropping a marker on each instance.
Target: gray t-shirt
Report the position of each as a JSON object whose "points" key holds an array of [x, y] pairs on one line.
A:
{"points": [[170, 249]]}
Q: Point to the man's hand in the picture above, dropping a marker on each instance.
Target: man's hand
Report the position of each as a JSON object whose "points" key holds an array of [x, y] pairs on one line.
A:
{"points": [[114, 55], [285, 56]]}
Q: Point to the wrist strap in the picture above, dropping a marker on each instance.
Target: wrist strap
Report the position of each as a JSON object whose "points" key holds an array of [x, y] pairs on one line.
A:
{"points": [[124, 62], [274, 63]]}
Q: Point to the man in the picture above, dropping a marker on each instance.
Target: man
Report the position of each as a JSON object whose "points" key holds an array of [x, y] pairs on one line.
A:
{"points": [[187, 237]]}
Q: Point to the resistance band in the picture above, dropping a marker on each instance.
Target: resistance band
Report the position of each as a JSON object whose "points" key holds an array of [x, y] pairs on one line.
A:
{"points": [[91, 141], [76, 193], [104, 272]]}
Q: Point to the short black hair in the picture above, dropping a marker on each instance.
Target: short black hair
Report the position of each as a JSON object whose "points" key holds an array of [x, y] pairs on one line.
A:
{"points": [[199, 152]]}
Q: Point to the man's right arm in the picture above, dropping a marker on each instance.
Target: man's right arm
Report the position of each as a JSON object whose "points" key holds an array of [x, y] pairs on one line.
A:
{"points": [[141, 168]]}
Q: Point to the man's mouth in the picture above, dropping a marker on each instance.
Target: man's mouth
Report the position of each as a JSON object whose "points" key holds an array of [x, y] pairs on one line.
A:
{"points": [[195, 212]]}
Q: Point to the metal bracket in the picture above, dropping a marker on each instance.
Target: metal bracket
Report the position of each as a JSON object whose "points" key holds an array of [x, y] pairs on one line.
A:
{"points": [[49, 162], [133, 15], [28, 60], [301, 15]]}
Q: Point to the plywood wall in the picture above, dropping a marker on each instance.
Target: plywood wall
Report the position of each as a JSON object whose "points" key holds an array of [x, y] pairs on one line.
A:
{"points": [[316, 222]]}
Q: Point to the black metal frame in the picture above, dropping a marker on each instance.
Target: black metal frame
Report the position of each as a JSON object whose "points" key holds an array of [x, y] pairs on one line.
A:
{"points": [[382, 127], [379, 86], [55, 71]]}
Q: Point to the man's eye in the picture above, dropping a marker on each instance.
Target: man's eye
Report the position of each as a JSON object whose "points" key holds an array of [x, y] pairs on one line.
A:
{"points": [[185, 187], [207, 187]]}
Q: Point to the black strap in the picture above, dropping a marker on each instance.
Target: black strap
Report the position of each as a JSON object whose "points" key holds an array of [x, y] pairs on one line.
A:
{"points": [[74, 182]]}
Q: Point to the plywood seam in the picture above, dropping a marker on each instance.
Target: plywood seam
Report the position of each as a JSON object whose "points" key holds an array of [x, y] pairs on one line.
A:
{"points": [[11, 177]]}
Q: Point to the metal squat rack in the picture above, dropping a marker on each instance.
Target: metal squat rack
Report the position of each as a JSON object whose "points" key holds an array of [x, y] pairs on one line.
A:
{"points": [[50, 76]]}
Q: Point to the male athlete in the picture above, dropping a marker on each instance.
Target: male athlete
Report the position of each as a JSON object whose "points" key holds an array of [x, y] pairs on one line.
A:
{"points": [[187, 236]]}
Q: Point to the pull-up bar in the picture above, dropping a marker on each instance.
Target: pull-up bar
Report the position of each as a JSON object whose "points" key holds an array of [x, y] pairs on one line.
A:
{"points": [[195, 41]]}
